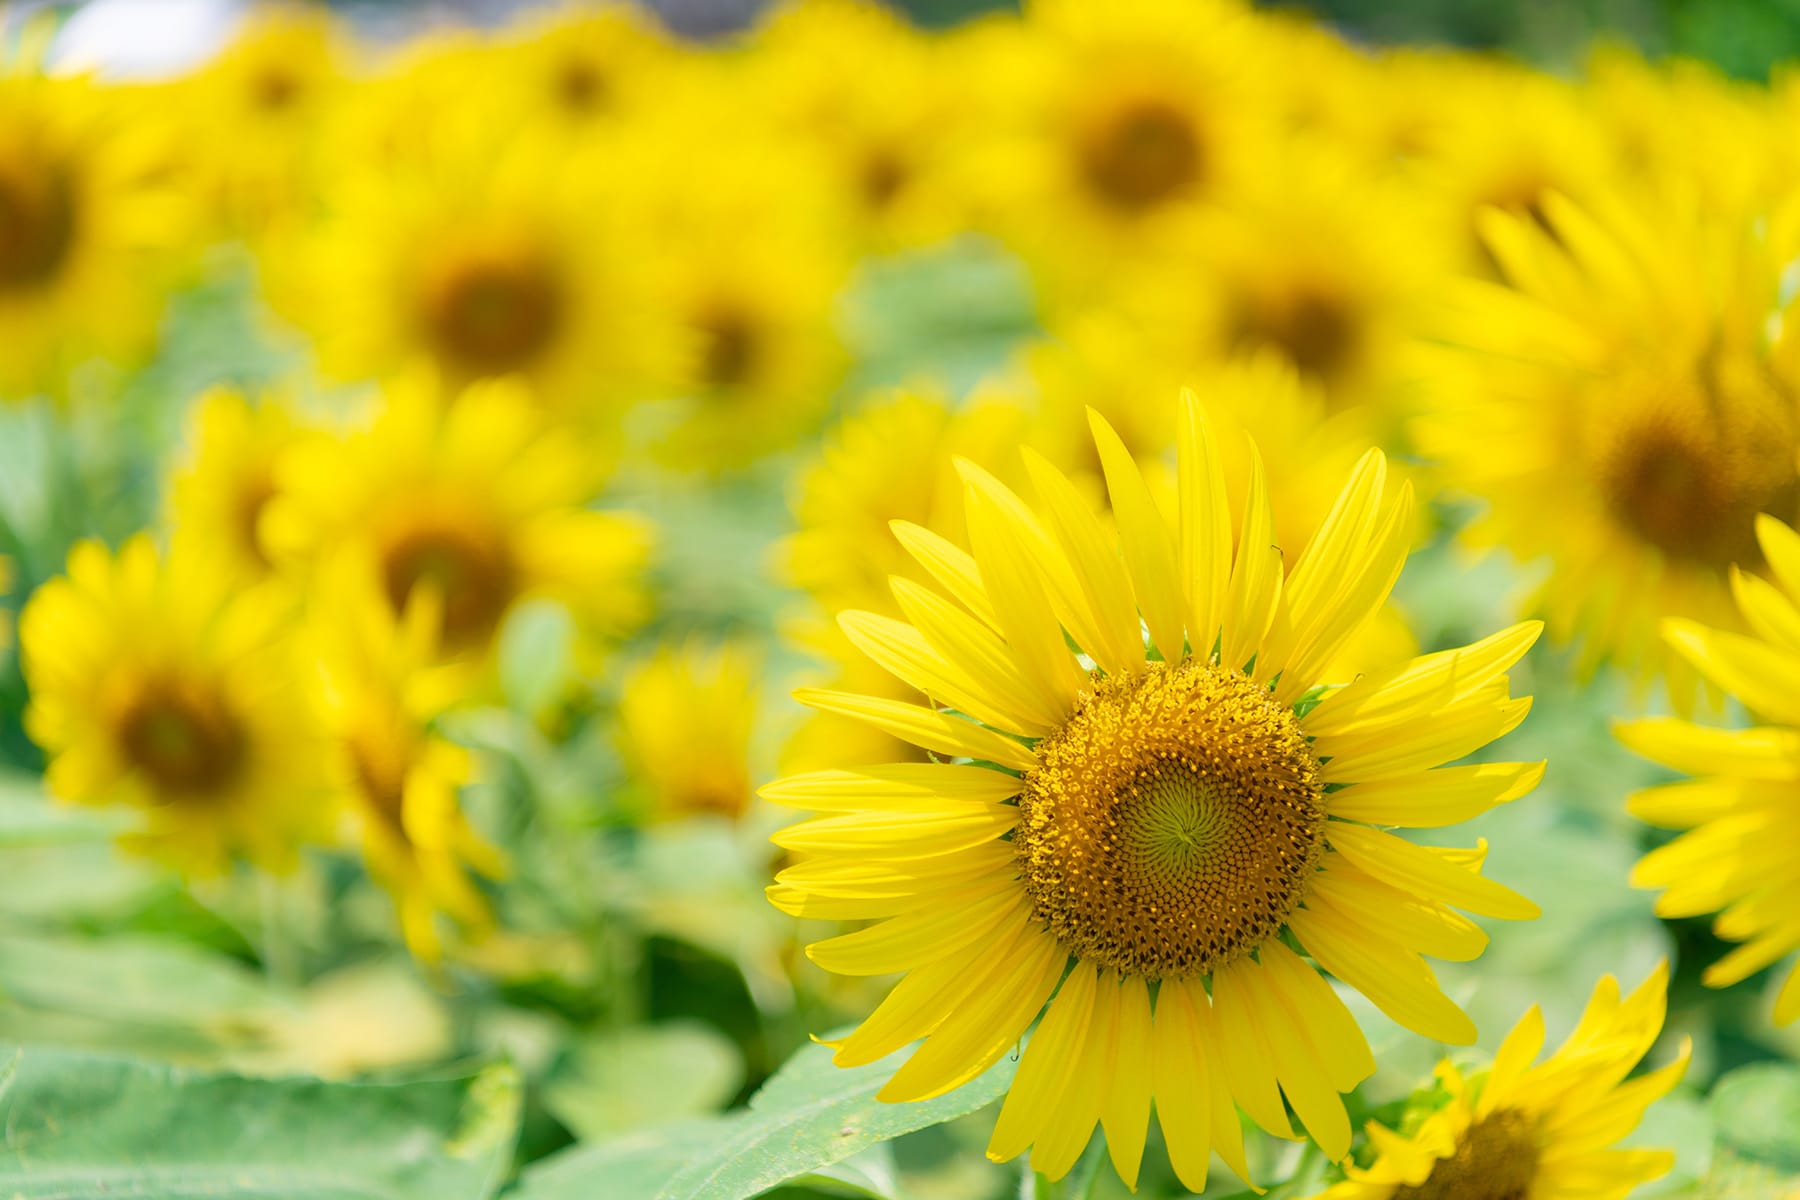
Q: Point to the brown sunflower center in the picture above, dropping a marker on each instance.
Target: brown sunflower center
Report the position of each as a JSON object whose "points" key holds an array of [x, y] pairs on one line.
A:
{"points": [[186, 739], [1172, 823], [378, 765], [1314, 327], [1496, 1159], [37, 226], [730, 346], [493, 312], [1141, 154], [253, 494], [468, 567], [580, 85], [274, 88], [884, 173], [1690, 474]]}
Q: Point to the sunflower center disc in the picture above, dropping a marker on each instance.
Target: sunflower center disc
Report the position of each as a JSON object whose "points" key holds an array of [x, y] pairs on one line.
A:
{"points": [[1495, 1160], [468, 566], [1172, 823], [37, 228], [1689, 471], [184, 740], [494, 312], [1141, 154]]}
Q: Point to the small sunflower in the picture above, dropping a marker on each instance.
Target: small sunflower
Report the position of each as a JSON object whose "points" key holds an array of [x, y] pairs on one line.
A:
{"points": [[1736, 858], [1624, 409], [217, 497], [467, 503], [254, 114], [159, 684], [579, 69], [479, 257], [1147, 833], [686, 716], [89, 231], [399, 777], [1545, 1131]]}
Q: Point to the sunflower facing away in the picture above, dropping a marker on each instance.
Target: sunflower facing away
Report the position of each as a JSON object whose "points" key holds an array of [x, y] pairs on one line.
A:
{"points": [[157, 683], [1544, 1132], [1738, 857], [1147, 834]]}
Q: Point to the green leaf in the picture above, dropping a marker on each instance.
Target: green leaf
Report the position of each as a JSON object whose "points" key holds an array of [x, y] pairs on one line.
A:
{"points": [[79, 1126], [644, 1076], [28, 817], [1756, 1110], [809, 1116]]}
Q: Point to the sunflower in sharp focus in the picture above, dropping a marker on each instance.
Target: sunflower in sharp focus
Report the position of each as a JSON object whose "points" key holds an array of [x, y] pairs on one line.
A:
{"points": [[466, 503], [1737, 858], [217, 497], [159, 683], [1544, 1132], [89, 231], [399, 777], [686, 716], [1625, 409], [1147, 833]]}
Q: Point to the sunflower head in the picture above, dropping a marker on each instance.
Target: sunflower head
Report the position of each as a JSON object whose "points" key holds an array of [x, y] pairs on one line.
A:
{"points": [[1149, 797], [160, 684], [686, 716]]}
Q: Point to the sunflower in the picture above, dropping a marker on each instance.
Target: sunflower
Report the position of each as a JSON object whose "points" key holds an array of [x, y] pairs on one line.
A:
{"points": [[580, 69], [398, 776], [90, 231], [1624, 409], [467, 503], [218, 495], [1547, 1130], [1107, 122], [255, 113], [159, 684], [479, 257], [750, 268], [1736, 859], [1146, 834], [686, 716]]}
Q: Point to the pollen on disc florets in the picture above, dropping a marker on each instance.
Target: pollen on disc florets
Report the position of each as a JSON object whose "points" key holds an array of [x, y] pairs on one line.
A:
{"points": [[1172, 823]]}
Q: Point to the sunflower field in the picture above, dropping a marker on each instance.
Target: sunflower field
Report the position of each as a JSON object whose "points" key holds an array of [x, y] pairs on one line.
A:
{"points": [[1150, 597]]}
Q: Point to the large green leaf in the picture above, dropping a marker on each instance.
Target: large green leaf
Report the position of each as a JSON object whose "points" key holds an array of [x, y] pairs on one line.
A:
{"points": [[808, 1117], [79, 1126], [1756, 1113]]}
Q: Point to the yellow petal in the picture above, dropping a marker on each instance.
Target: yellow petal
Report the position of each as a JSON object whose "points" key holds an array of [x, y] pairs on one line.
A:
{"points": [[1437, 738], [891, 786], [1399, 984], [1421, 925], [1427, 682], [1144, 537], [1205, 531], [1125, 1107], [1766, 678], [1767, 610], [923, 727], [949, 923], [978, 650], [1106, 624], [1183, 1092], [1416, 869], [1445, 796], [1763, 753], [1254, 593], [945, 828], [950, 565], [906, 654], [1046, 1067]]}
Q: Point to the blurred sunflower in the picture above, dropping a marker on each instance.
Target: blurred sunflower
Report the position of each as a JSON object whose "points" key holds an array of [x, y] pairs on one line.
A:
{"points": [[481, 257], [686, 716], [159, 683], [750, 269], [399, 777], [253, 116], [1111, 119], [1164, 814], [89, 231], [1625, 408], [1546, 1131], [218, 495], [466, 504], [889, 132], [1737, 858], [578, 69]]}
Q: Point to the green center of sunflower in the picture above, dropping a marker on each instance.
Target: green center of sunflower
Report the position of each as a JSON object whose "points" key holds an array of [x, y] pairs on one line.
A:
{"points": [[466, 565], [1172, 823], [1688, 472], [1140, 154], [37, 227], [186, 740], [493, 312], [1496, 1159]]}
